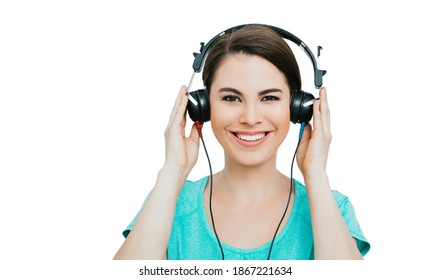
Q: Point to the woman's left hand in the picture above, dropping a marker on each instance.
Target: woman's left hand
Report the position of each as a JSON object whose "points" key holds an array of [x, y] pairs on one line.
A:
{"points": [[313, 149]]}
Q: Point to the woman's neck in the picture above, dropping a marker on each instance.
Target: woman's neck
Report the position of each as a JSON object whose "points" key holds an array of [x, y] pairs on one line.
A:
{"points": [[250, 182]]}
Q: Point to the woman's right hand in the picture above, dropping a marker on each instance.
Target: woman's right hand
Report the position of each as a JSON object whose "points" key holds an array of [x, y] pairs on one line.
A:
{"points": [[181, 151]]}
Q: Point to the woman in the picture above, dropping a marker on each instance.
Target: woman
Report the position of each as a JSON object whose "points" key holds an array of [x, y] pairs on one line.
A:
{"points": [[250, 74]]}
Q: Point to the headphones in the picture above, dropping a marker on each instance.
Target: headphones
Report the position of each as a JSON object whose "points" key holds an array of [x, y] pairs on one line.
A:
{"points": [[198, 105]]}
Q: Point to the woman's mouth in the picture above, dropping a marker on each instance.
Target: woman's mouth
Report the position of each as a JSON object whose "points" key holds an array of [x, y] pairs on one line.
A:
{"points": [[247, 137], [250, 139]]}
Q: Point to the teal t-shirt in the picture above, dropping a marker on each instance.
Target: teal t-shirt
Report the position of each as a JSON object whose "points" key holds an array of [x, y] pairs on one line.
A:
{"points": [[193, 239]]}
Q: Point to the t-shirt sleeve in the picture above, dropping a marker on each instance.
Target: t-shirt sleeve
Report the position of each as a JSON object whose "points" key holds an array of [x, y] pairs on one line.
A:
{"points": [[127, 230], [349, 216], [187, 201]]}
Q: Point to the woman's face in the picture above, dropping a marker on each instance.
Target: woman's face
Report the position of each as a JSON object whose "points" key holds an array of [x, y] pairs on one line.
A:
{"points": [[250, 115]]}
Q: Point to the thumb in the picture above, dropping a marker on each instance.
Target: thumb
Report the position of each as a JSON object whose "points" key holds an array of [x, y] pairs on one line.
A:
{"points": [[303, 145], [196, 131], [306, 135]]}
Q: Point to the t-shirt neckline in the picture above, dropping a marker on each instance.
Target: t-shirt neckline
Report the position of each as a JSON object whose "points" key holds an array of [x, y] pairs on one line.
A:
{"points": [[236, 250]]}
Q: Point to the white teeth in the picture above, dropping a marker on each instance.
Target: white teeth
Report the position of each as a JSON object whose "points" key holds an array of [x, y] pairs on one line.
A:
{"points": [[250, 137]]}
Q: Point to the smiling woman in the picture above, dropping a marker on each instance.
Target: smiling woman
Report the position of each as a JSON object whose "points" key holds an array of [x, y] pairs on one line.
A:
{"points": [[251, 77], [254, 98]]}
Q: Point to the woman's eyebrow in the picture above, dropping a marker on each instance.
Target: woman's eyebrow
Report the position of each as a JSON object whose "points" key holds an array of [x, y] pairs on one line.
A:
{"points": [[270, 90], [263, 92], [229, 89]]}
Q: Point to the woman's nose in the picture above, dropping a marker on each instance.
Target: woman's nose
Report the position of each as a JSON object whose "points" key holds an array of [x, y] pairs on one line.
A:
{"points": [[250, 115]]}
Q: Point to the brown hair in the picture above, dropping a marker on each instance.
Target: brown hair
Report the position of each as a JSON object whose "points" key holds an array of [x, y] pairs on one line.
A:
{"points": [[254, 40]]}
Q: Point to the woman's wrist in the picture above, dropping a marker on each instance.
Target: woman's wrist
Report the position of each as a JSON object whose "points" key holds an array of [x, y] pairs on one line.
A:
{"points": [[316, 178], [173, 170], [173, 175]]}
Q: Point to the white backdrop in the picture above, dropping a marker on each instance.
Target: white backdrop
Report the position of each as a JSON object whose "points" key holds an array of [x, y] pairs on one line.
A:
{"points": [[86, 89]]}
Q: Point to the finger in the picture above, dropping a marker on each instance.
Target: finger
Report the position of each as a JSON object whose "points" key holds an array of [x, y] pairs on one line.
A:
{"points": [[174, 112], [302, 148], [180, 117], [194, 133], [317, 122], [324, 111], [306, 135]]}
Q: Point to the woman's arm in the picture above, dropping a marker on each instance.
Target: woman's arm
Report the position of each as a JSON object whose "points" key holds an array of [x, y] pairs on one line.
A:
{"points": [[332, 239], [150, 235]]}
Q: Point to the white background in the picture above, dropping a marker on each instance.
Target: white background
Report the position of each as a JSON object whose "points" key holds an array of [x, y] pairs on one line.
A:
{"points": [[86, 89]]}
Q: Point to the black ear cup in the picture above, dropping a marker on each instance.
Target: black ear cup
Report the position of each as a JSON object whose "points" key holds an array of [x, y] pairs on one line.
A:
{"points": [[200, 112], [299, 113]]}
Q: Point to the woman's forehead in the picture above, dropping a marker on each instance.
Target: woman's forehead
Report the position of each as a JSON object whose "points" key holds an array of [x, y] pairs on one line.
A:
{"points": [[244, 69]]}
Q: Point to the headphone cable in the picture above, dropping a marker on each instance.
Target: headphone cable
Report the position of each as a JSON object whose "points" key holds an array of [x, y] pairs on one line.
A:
{"points": [[290, 191], [211, 195], [199, 126]]}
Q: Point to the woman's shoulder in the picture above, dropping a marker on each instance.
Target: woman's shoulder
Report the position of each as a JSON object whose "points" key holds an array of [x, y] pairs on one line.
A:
{"points": [[301, 190], [191, 196]]}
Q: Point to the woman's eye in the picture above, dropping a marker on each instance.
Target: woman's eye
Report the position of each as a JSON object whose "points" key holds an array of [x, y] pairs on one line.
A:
{"points": [[231, 98], [270, 98]]}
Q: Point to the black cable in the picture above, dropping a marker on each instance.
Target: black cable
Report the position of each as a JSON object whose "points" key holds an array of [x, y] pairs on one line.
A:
{"points": [[211, 195], [301, 130], [288, 200]]}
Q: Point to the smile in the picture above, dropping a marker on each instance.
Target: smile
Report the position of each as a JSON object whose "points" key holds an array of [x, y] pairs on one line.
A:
{"points": [[249, 139], [246, 137]]}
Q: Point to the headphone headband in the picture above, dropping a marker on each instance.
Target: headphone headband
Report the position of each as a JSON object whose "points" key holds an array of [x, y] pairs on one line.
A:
{"points": [[318, 74]]}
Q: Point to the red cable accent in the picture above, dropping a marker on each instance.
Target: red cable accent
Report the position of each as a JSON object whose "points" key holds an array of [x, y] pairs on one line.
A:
{"points": [[199, 127]]}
